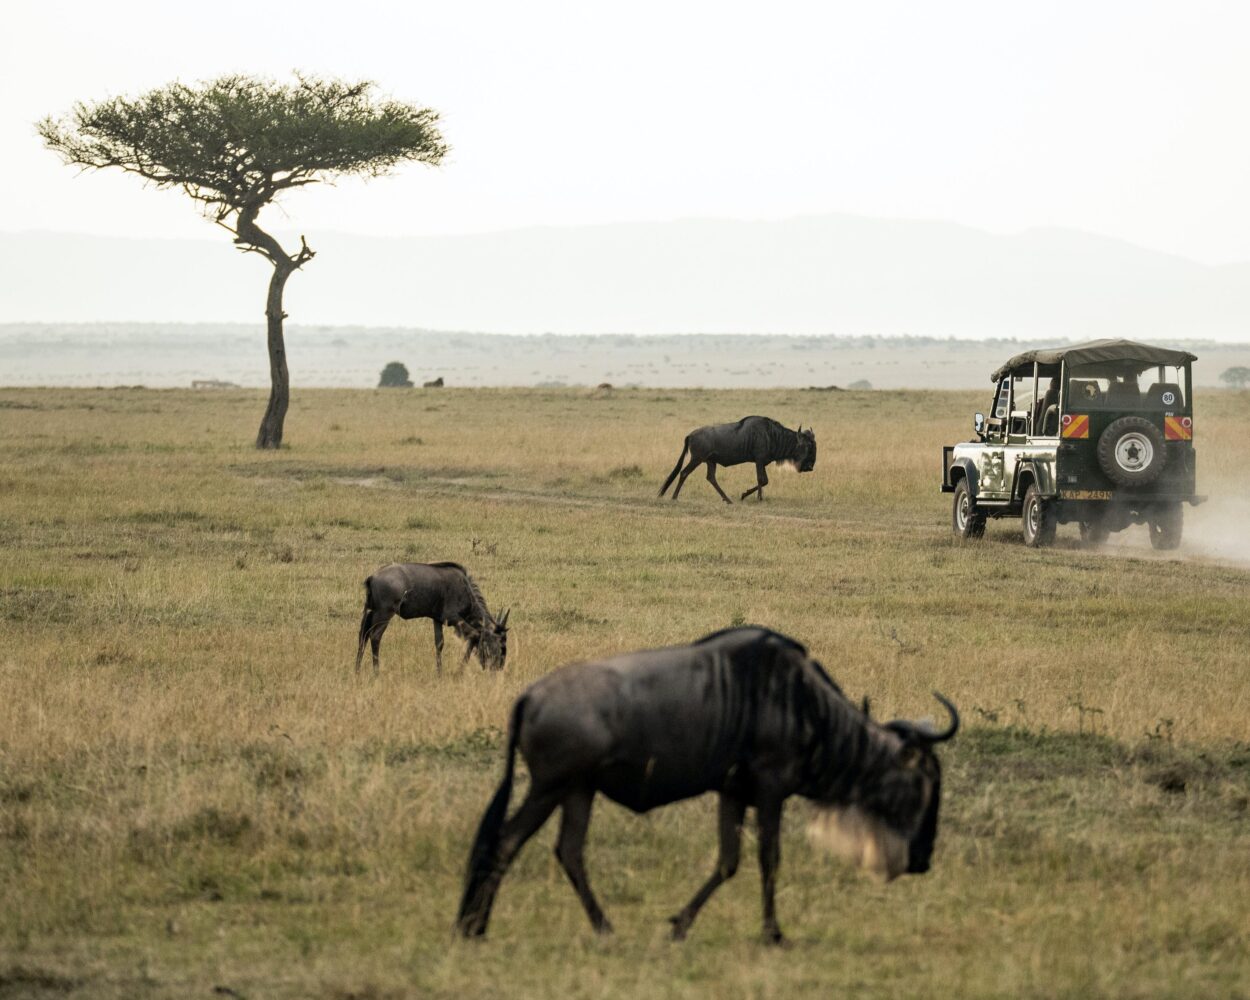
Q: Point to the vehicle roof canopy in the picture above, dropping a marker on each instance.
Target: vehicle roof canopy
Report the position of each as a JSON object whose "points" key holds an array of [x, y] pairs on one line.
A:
{"points": [[1093, 351]]}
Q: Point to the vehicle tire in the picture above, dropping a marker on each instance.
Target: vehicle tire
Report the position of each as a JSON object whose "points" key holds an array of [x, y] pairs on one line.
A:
{"points": [[1094, 532], [1038, 519], [965, 522], [1131, 452], [1165, 526]]}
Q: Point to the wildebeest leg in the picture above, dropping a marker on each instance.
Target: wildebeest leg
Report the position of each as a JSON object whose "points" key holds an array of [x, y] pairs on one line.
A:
{"points": [[768, 817], [690, 467], [438, 645], [711, 478], [516, 831], [574, 821], [731, 811], [380, 622], [761, 478]]}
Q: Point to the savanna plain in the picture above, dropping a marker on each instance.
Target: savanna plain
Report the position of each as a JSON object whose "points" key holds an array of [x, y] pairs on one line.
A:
{"points": [[200, 797]]}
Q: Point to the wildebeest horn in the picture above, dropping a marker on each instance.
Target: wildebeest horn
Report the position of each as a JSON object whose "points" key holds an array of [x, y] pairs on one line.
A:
{"points": [[922, 734], [503, 619], [953, 728]]}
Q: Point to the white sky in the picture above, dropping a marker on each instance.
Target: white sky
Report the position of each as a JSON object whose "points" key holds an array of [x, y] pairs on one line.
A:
{"points": [[1126, 118]]}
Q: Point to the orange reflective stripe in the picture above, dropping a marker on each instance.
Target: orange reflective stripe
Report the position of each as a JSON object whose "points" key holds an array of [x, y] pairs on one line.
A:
{"points": [[1178, 428], [1076, 425]]}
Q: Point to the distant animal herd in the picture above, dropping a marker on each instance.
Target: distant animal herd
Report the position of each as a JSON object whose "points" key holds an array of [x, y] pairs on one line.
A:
{"points": [[744, 712]]}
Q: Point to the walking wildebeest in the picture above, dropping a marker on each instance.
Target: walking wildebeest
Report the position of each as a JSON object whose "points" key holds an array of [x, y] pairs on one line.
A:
{"points": [[752, 439], [744, 713], [443, 591]]}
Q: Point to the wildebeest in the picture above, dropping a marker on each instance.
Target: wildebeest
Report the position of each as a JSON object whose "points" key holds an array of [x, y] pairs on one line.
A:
{"points": [[744, 713], [752, 439], [442, 591]]}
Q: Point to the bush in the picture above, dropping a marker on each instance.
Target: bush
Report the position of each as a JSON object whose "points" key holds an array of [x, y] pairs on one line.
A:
{"points": [[395, 376]]}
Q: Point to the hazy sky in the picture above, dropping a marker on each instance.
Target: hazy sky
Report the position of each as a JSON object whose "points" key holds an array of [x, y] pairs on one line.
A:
{"points": [[1123, 118]]}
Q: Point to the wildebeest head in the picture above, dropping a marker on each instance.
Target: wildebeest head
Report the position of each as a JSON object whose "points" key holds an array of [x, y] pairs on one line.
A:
{"points": [[806, 457], [891, 826], [493, 642]]}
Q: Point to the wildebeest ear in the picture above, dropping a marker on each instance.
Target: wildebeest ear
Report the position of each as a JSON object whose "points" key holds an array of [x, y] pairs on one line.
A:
{"points": [[910, 757], [864, 708], [911, 734], [922, 733]]}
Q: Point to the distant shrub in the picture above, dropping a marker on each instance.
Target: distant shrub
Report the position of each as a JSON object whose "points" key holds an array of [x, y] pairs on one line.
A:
{"points": [[395, 376]]}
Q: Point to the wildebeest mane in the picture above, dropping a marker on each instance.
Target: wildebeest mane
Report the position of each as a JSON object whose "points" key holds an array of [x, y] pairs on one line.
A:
{"points": [[843, 745], [765, 633], [479, 602], [850, 748]]}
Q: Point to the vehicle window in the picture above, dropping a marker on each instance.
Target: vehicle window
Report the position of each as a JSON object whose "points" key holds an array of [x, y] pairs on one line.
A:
{"points": [[1163, 387], [1046, 409], [1125, 385], [1021, 404], [1004, 400]]}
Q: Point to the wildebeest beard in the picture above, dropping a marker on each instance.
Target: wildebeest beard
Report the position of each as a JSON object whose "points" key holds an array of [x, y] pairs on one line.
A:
{"points": [[860, 839], [892, 832]]}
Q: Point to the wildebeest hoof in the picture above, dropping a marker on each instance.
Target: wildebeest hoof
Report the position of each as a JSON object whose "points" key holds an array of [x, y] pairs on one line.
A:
{"points": [[680, 927], [471, 928], [604, 928], [774, 938]]}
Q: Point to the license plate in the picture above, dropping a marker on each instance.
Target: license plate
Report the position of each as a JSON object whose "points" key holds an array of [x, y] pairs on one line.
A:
{"points": [[1085, 494]]}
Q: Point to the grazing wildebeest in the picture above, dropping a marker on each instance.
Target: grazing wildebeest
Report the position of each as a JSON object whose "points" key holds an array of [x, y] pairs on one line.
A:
{"points": [[752, 439], [443, 591], [744, 713]]}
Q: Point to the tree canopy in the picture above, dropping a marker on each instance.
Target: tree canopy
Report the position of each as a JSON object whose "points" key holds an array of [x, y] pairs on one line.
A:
{"points": [[1238, 376], [395, 376], [234, 144]]}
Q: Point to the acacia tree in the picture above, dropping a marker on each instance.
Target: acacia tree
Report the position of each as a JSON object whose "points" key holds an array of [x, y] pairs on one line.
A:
{"points": [[1237, 376], [234, 144]]}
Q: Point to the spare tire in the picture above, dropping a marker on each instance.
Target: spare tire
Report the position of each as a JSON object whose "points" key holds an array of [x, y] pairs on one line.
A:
{"points": [[1131, 452]]}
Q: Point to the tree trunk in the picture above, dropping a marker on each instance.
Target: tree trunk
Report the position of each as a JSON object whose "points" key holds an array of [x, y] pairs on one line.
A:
{"points": [[251, 237], [270, 433]]}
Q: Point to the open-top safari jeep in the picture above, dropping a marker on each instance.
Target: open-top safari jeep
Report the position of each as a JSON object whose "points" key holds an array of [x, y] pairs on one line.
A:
{"points": [[1098, 433]]}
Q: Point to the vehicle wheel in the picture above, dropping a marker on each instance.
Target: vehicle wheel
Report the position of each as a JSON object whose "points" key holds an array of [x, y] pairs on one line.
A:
{"points": [[1038, 518], [1131, 452], [1094, 532], [964, 521], [1165, 526]]}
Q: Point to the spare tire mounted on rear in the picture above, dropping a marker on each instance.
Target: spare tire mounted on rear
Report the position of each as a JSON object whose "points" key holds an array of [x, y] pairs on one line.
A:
{"points": [[1131, 452]]}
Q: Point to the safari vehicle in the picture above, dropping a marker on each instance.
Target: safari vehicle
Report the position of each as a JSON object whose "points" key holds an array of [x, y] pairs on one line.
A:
{"points": [[1098, 433]]}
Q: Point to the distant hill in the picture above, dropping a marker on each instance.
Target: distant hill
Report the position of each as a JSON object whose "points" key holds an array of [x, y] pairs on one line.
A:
{"points": [[180, 354], [811, 275]]}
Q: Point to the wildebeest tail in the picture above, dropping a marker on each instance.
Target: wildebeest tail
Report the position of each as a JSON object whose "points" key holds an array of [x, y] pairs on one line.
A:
{"points": [[685, 447], [365, 621], [486, 843]]}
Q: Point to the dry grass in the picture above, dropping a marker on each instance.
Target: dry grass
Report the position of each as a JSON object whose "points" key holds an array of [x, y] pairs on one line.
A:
{"points": [[197, 791]]}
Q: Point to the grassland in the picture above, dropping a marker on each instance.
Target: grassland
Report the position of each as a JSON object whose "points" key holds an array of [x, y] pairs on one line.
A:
{"points": [[197, 793]]}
